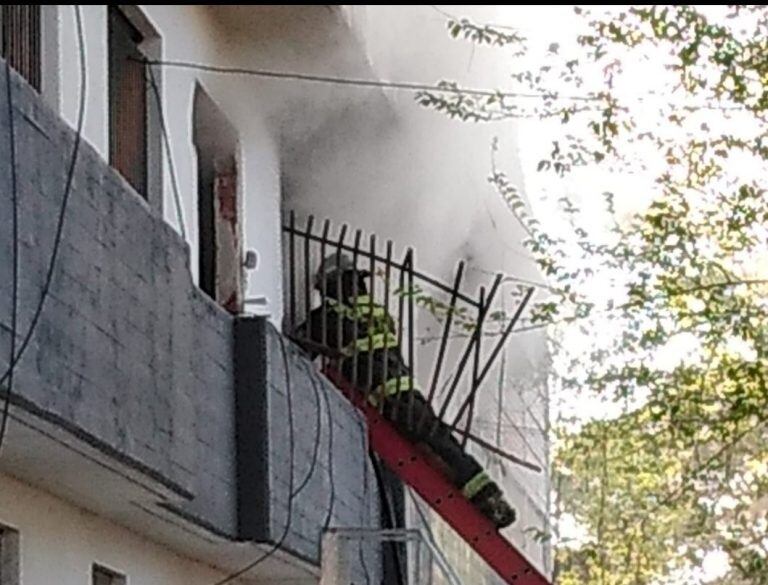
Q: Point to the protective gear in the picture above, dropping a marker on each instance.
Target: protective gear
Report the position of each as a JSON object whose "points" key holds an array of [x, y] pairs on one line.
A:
{"points": [[333, 265], [392, 387], [364, 335], [475, 485], [490, 501], [405, 410], [380, 333]]}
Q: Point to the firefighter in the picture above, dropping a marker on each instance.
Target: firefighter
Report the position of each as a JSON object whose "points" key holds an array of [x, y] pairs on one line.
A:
{"points": [[362, 338]]}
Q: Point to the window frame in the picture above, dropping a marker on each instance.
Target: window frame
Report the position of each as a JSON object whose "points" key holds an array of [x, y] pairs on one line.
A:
{"points": [[114, 578], [149, 46]]}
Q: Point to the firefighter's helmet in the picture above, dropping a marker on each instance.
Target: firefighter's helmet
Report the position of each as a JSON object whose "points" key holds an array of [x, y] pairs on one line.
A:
{"points": [[334, 265]]}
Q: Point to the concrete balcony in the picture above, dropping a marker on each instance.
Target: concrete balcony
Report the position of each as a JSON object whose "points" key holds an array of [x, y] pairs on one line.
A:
{"points": [[140, 399]]}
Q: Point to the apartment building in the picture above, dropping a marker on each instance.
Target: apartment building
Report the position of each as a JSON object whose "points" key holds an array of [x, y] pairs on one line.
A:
{"points": [[161, 427]]}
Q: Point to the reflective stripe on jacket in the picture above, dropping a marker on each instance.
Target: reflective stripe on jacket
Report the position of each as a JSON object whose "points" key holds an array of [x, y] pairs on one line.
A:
{"points": [[380, 336]]}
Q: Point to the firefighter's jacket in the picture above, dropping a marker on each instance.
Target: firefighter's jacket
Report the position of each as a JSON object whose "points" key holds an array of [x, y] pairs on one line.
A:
{"points": [[365, 335]]}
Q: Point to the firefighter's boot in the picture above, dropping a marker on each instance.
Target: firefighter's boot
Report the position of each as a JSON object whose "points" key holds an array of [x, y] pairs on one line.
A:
{"points": [[490, 501]]}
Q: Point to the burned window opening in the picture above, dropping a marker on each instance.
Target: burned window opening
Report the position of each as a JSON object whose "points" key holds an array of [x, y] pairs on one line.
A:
{"points": [[219, 231]]}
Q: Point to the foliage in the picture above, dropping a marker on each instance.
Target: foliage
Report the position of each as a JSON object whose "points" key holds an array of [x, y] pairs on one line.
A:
{"points": [[678, 290]]}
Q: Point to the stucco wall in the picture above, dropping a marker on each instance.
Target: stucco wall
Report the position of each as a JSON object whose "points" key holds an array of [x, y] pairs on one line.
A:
{"points": [[59, 544]]}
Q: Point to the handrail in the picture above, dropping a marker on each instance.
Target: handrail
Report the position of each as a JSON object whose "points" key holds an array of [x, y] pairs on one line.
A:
{"points": [[402, 535]]}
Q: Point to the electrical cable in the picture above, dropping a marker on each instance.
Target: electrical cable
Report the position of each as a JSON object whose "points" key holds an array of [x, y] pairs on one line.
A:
{"points": [[450, 16], [389, 513], [443, 87], [332, 489], [15, 262], [331, 480], [364, 508], [168, 151], [62, 213], [291, 461], [361, 82], [318, 428]]}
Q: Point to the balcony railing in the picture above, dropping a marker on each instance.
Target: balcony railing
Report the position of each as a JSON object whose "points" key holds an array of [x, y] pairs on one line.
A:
{"points": [[465, 318]]}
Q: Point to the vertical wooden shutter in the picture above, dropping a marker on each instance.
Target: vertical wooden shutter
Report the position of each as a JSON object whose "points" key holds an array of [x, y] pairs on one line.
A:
{"points": [[127, 102], [21, 40]]}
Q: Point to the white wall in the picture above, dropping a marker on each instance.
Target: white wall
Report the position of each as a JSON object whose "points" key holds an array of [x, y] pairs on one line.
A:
{"points": [[306, 39], [189, 33], [59, 543]]}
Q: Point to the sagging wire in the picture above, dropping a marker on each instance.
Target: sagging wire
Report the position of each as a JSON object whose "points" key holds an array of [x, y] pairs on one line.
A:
{"points": [[168, 151], [15, 261], [8, 374], [291, 461]]}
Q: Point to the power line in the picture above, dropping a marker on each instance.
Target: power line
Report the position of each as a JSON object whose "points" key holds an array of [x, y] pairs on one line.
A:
{"points": [[364, 510], [388, 509], [316, 446], [457, 19], [329, 513], [331, 480], [62, 211], [15, 238], [168, 152], [361, 82], [329, 419], [443, 87]]}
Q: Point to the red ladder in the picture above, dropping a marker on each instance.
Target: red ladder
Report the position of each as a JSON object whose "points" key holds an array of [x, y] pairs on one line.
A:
{"points": [[411, 465]]}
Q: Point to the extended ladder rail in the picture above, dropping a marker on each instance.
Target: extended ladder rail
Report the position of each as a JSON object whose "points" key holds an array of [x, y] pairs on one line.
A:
{"points": [[410, 464]]}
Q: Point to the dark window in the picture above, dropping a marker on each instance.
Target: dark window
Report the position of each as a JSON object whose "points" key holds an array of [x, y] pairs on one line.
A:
{"points": [[20, 33], [127, 102], [9, 556], [206, 224], [102, 576], [219, 239]]}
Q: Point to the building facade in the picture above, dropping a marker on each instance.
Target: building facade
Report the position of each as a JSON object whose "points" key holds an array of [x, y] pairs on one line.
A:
{"points": [[161, 427]]}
